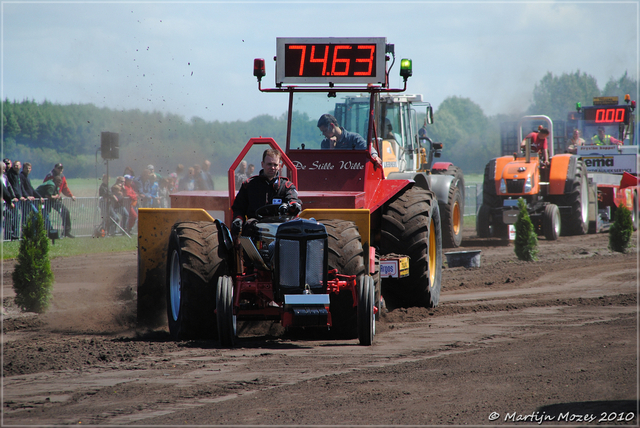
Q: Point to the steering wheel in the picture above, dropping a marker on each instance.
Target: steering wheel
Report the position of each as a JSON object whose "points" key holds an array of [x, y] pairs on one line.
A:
{"points": [[270, 210]]}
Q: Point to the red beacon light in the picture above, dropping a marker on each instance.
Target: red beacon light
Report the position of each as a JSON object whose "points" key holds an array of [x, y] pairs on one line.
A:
{"points": [[259, 68]]}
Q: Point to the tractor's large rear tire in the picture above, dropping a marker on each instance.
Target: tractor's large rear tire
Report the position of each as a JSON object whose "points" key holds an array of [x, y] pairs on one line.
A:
{"points": [[411, 225], [366, 317], [224, 312], [576, 221], [347, 256], [196, 258], [452, 212], [551, 223], [455, 172], [489, 195], [490, 198]]}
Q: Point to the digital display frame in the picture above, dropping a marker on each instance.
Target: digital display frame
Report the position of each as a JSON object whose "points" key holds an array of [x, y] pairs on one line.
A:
{"points": [[330, 60], [607, 115]]}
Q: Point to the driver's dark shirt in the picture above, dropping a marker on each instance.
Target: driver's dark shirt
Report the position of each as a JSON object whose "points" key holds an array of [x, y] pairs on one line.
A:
{"points": [[258, 191]]}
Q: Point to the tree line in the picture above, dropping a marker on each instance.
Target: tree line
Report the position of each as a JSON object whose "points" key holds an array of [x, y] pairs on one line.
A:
{"points": [[46, 133], [472, 138]]}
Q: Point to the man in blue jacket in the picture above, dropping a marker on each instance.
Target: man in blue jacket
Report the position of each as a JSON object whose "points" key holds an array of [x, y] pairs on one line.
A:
{"points": [[336, 137]]}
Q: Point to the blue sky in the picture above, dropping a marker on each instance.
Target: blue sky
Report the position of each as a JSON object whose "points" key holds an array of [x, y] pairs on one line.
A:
{"points": [[196, 58]]}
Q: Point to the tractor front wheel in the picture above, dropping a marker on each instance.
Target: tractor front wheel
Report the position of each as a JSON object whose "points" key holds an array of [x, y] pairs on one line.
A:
{"points": [[175, 312], [551, 222], [347, 256], [377, 286], [224, 312], [366, 314], [576, 221]]}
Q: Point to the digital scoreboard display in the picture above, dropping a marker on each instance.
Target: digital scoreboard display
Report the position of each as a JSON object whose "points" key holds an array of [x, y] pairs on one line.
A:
{"points": [[607, 115], [330, 60]]}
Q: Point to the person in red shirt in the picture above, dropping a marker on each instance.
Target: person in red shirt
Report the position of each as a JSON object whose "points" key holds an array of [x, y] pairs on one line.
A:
{"points": [[57, 203], [130, 193], [538, 144], [64, 189]]}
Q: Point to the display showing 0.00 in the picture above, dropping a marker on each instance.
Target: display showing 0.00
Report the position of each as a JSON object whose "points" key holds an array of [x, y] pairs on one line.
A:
{"points": [[606, 115]]}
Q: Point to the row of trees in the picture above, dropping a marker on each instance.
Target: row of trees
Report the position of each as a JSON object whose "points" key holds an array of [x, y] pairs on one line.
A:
{"points": [[471, 138], [45, 133]]}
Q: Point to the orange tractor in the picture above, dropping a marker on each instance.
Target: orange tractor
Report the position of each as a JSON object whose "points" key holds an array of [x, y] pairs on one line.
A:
{"points": [[577, 193], [361, 235], [557, 195]]}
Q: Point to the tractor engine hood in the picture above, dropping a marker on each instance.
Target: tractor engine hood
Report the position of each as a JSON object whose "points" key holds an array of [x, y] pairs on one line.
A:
{"points": [[519, 169], [519, 178]]}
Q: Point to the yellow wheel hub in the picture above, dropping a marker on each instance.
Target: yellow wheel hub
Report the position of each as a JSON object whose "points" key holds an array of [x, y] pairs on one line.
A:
{"points": [[432, 253], [457, 219]]}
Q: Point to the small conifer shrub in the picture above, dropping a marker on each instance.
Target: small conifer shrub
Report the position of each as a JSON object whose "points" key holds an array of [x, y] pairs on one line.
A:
{"points": [[32, 276], [621, 230], [526, 245]]}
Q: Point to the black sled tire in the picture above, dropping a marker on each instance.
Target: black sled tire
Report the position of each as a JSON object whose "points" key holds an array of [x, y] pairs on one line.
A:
{"points": [[411, 226], [224, 312], [196, 258], [366, 317], [347, 256]]}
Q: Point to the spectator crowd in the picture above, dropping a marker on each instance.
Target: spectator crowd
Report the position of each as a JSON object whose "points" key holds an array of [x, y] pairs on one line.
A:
{"points": [[119, 201], [147, 190], [20, 197], [243, 173]]}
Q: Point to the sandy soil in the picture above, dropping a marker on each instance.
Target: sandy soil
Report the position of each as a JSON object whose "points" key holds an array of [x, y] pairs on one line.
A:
{"points": [[512, 343]]}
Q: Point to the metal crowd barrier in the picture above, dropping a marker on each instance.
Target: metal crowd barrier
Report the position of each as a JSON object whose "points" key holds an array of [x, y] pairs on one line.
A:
{"points": [[472, 198], [87, 215]]}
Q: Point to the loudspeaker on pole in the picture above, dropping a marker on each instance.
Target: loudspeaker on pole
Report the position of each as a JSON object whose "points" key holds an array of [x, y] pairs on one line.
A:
{"points": [[110, 147]]}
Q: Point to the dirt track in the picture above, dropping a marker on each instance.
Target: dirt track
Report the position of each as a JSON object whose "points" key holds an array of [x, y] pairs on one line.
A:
{"points": [[511, 343]]}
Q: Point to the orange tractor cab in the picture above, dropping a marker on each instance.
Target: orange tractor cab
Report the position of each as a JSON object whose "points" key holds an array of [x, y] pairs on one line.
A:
{"points": [[361, 234]]}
